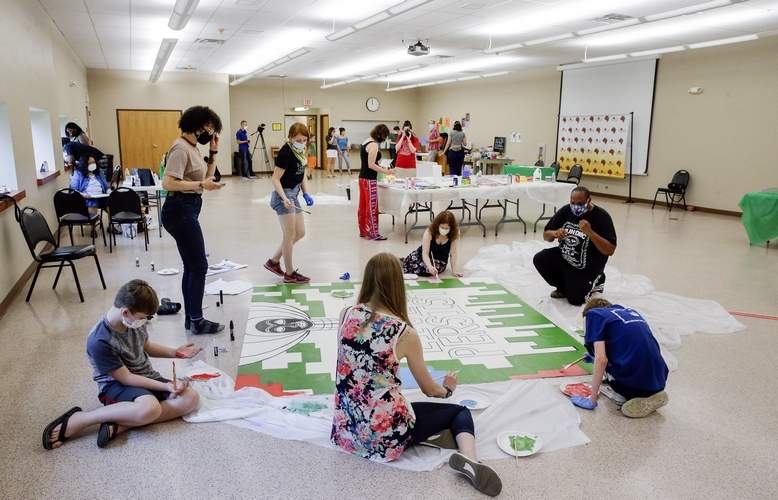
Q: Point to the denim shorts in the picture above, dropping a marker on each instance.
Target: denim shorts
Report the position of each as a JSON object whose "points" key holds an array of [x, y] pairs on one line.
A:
{"points": [[116, 392], [277, 204]]}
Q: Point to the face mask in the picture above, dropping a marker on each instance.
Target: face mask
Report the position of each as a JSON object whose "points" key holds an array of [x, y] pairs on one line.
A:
{"points": [[92, 167], [443, 232], [299, 146], [578, 210], [204, 137], [431, 126], [135, 323]]}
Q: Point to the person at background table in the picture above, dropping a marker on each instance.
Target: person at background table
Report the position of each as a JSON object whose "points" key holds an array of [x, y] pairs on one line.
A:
{"points": [[393, 136], [332, 151], [627, 355], [434, 141], [407, 145], [312, 158], [89, 181], [442, 160], [369, 155], [288, 180], [586, 238], [77, 154], [455, 149], [343, 146], [242, 137], [77, 134], [186, 176], [372, 417], [438, 246]]}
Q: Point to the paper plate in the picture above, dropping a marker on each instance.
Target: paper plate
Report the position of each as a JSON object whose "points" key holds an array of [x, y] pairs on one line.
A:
{"points": [[410, 276], [524, 443], [343, 294], [576, 389], [470, 399], [168, 271]]}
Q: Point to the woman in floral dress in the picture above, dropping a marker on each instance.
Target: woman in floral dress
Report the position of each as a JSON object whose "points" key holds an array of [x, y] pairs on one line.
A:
{"points": [[372, 418]]}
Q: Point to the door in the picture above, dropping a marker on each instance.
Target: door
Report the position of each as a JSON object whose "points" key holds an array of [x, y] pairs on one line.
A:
{"points": [[325, 125], [145, 136]]}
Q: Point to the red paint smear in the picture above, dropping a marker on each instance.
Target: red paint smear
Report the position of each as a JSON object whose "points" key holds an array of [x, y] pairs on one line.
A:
{"points": [[204, 376], [573, 371], [253, 380], [577, 390], [753, 315]]}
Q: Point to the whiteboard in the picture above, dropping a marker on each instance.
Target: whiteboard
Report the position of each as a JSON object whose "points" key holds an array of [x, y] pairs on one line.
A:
{"points": [[617, 88], [359, 130]]}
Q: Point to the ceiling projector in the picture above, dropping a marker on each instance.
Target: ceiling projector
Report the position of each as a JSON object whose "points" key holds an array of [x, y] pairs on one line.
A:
{"points": [[418, 49]]}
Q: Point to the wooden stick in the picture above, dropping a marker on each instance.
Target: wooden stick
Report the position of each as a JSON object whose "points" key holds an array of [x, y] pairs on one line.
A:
{"points": [[175, 386], [574, 362]]}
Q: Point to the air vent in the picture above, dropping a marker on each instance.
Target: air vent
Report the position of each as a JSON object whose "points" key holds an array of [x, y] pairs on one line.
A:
{"points": [[611, 18]]}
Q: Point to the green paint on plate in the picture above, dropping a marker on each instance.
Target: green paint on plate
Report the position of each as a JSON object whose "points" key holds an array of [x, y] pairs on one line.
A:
{"points": [[522, 443]]}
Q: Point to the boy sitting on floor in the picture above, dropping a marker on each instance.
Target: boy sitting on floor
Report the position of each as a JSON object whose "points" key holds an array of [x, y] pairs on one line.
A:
{"points": [[627, 353], [134, 394]]}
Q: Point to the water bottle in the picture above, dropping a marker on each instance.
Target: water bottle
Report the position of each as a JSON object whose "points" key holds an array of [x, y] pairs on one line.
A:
{"points": [[538, 175]]}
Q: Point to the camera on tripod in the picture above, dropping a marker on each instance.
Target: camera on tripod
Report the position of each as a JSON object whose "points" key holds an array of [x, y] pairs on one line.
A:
{"points": [[261, 128]]}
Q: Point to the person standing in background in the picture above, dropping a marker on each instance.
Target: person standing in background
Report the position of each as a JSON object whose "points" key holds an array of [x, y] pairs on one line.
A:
{"points": [[332, 151], [343, 146], [455, 149], [434, 141], [370, 155], [393, 136], [442, 160], [407, 145], [242, 136], [312, 156], [77, 134]]}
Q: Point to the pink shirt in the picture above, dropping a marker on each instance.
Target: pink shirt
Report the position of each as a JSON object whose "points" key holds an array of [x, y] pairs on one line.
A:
{"points": [[433, 143]]}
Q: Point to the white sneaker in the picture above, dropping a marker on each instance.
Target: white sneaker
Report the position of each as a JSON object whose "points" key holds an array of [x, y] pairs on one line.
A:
{"points": [[608, 391]]}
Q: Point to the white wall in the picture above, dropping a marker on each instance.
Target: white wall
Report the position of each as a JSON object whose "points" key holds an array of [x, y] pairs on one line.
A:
{"points": [[42, 141], [7, 161]]}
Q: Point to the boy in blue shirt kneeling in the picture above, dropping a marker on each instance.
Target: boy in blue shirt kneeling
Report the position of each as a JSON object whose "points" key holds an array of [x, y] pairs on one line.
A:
{"points": [[626, 352], [132, 392]]}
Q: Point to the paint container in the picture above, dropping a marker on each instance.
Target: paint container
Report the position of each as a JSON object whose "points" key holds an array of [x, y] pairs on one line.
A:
{"points": [[137, 261], [152, 266]]}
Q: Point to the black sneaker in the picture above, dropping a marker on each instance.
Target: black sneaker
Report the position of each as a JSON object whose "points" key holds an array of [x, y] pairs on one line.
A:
{"points": [[204, 327]]}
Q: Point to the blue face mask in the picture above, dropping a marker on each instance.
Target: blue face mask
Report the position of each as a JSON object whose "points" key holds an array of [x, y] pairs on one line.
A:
{"points": [[578, 210], [298, 145]]}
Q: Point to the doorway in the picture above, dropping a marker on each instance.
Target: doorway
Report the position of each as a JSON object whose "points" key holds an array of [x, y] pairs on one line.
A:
{"points": [[325, 125], [145, 135]]}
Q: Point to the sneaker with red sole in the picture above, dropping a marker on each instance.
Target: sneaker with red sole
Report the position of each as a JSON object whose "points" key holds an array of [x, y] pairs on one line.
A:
{"points": [[296, 277], [274, 267]]}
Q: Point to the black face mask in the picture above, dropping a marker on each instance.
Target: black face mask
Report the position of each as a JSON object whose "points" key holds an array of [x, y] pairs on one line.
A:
{"points": [[204, 137]]}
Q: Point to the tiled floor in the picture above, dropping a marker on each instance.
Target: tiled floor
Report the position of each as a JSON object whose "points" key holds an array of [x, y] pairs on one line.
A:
{"points": [[717, 438]]}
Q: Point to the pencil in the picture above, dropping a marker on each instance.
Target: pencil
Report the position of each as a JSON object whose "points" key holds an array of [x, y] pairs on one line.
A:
{"points": [[175, 388], [574, 362]]}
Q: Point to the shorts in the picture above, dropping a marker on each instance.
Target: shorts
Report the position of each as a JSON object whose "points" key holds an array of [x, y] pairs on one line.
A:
{"points": [[278, 205], [311, 162], [332, 153], [116, 392]]}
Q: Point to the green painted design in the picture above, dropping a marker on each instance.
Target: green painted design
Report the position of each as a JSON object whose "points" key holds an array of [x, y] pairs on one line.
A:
{"points": [[305, 407], [522, 443]]}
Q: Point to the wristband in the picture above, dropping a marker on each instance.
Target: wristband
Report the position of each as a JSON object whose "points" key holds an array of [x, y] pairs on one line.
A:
{"points": [[449, 392]]}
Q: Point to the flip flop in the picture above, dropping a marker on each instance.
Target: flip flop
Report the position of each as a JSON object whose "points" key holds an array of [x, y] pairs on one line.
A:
{"points": [[108, 431], [482, 477], [62, 421]]}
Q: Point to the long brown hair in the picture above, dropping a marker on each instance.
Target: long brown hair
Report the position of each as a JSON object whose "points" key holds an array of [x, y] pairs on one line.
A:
{"points": [[445, 217], [383, 286]]}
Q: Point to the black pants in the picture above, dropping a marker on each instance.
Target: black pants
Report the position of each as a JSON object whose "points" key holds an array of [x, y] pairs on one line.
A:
{"points": [[179, 217], [455, 161], [246, 163], [576, 284], [628, 392], [432, 418]]}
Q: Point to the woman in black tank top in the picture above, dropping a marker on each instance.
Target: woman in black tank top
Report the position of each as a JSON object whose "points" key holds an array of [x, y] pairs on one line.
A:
{"points": [[438, 247], [368, 189]]}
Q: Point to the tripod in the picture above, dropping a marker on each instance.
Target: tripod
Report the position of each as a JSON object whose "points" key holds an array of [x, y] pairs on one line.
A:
{"points": [[260, 136]]}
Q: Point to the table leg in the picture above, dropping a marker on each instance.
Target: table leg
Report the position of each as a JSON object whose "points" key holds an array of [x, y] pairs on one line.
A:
{"points": [[535, 229]]}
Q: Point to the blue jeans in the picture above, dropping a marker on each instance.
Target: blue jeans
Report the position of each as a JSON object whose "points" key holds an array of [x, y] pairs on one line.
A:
{"points": [[179, 218], [455, 161], [246, 163]]}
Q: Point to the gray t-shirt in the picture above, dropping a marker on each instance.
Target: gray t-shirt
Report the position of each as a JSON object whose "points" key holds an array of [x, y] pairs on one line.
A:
{"points": [[184, 162], [109, 350], [457, 139]]}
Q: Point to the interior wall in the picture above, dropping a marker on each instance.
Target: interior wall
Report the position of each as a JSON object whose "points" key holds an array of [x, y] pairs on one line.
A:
{"points": [[110, 90], [268, 101], [40, 68]]}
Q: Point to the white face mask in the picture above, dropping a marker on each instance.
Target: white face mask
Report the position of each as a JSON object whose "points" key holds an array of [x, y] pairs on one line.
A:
{"points": [[299, 146], [432, 125], [135, 323], [92, 167], [443, 232]]}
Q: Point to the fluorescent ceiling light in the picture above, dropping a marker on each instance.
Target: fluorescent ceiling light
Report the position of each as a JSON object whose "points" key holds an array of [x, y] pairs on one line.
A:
{"points": [[547, 39], [441, 82], [278, 43], [451, 68], [504, 48], [371, 63], [605, 58], [450, 80], [340, 34], [465, 78], [688, 10], [278, 62], [377, 18], [410, 68], [665, 50], [182, 11], [165, 49], [723, 41], [407, 5], [404, 87], [608, 27], [499, 73], [301, 108]]}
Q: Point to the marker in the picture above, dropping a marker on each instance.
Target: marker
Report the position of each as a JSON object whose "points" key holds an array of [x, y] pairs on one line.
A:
{"points": [[232, 331], [216, 351], [137, 262], [221, 297], [217, 303]]}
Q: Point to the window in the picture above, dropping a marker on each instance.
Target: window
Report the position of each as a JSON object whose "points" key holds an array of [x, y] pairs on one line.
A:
{"points": [[63, 120], [7, 163], [42, 142]]}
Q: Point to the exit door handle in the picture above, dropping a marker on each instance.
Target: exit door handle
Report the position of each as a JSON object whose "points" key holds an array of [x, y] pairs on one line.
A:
{"points": [[155, 146]]}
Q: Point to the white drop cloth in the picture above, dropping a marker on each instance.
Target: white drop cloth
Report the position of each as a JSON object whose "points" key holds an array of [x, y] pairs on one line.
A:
{"points": [[224, 266], [234, 287]]}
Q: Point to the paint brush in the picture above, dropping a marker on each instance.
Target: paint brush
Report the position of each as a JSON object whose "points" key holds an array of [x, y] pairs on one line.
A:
{"points": [[175, 385], [221, 297], [444, 376], [568, 365]]}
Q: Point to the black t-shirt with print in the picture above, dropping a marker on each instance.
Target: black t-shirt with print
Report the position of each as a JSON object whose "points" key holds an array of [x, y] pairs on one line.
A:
{"points": [[577, 249], [294, 169]]}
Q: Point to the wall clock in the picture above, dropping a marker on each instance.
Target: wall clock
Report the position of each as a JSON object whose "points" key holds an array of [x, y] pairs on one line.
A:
{"points": [[372, 104]]}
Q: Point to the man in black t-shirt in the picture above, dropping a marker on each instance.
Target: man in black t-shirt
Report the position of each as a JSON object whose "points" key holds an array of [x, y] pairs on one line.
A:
{"points": [[586, 239]]}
